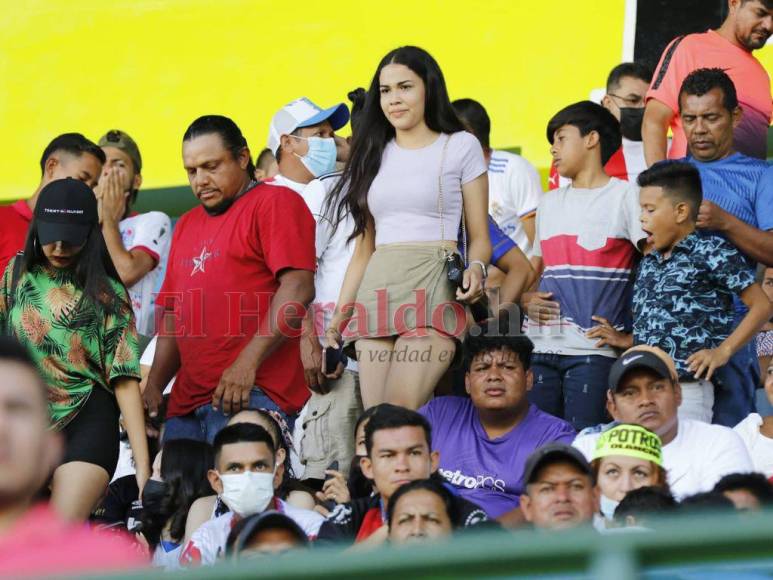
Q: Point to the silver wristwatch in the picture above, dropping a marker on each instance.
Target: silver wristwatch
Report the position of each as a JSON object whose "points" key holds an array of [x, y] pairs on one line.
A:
{"points": [[482, 267]]}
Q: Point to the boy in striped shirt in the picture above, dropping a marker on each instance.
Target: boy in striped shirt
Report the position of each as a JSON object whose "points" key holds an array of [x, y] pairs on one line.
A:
{"points": [[586, 241]]}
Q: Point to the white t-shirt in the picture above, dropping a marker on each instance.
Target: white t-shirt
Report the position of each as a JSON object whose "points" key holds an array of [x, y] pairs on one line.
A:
{"points": [[152, 233], [404, 197], [169, 561], [146, 360], [514, 190], [334, 251], [207, 543], [699, 456], [633, 153], [760, 447]]}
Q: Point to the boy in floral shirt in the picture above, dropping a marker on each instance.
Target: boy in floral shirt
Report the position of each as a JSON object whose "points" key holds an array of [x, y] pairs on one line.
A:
{"points": [[683, 295]]}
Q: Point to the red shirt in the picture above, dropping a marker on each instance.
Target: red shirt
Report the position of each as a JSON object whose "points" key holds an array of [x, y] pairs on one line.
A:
{"points": [[220, 279], [14, 222], [371, 523], [42, 544]]}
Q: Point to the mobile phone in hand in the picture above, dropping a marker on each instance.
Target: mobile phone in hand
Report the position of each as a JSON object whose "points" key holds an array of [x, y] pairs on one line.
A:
{"points": [[332, 467], [330, 504], [331, 357]]}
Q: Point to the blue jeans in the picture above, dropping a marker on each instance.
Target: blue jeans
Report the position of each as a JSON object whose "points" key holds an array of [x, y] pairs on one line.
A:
{"points": [[204, 423], [571, 387], [734, 386]]}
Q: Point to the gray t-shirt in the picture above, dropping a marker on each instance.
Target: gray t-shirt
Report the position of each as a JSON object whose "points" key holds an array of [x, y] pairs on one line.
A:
{"points": [[403, 197]]}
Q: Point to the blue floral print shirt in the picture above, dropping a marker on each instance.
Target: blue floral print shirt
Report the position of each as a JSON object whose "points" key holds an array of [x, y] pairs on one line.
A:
{"points": [[684, 303]]}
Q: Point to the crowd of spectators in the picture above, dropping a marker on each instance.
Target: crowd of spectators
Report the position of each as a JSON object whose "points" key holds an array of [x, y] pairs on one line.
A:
{"points": [[397, 336]]}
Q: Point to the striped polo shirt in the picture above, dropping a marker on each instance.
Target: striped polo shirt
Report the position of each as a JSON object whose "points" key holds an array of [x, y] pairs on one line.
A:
{"points": [[587, 239]]}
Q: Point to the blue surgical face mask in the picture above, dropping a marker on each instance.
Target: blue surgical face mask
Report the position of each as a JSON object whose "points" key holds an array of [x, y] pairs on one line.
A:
{"points": [[321, 157]]}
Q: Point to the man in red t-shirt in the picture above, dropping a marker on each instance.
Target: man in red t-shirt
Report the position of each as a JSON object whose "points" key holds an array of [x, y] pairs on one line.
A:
{"points": [[747, 27], [34, 540], [68, 155], [239, 278]]}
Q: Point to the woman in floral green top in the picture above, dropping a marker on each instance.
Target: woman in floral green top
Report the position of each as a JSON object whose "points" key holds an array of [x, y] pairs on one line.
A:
{"points": [[65, 302]]}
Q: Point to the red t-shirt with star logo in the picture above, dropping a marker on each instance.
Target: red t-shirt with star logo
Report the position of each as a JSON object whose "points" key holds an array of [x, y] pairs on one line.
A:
{"points": [[220, 279]]}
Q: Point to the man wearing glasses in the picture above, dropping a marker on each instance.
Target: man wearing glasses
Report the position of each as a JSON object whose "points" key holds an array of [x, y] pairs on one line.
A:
{"points": [[627, 86]]}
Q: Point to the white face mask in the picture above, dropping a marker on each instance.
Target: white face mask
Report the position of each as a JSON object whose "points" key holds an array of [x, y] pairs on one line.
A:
{"points": [[247, 493], [608, 507]]}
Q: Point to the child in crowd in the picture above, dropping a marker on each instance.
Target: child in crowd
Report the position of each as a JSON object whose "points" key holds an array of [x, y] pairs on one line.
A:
{"points": [[585, 245], [757, 432], [683, 296]]}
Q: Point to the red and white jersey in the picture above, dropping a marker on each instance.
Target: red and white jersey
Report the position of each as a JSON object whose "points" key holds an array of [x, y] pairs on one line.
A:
{"points": [[207, 544], [150, 233]]}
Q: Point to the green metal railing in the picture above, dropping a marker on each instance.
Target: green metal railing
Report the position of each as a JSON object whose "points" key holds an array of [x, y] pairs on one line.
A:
{"points": [[726, 544]]}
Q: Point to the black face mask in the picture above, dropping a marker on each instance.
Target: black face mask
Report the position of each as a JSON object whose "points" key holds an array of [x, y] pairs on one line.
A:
{"points": [[153, 494], [630, 122]]}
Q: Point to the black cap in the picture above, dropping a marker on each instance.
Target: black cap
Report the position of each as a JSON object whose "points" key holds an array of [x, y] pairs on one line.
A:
{"points": [[551, 453], [637, 359], [66, 211], [268, 520]]}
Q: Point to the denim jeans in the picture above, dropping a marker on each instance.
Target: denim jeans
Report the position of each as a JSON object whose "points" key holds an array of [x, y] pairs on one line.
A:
{"points": [[204, 423], [571, 387], [735, 384]]}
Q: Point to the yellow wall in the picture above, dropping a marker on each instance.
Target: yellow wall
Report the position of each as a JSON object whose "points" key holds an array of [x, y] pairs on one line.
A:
{"points": [[151, 66]]}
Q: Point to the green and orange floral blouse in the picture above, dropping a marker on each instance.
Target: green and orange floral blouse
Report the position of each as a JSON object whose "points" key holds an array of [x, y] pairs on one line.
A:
{"points": [[76, 346]]}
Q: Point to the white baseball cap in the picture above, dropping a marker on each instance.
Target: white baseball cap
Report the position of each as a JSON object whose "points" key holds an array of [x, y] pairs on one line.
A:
{"points": [[303, 113]]}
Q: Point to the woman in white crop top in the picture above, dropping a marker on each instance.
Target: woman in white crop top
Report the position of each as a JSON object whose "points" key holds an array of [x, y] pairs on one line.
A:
{"points": [[412, 167]]}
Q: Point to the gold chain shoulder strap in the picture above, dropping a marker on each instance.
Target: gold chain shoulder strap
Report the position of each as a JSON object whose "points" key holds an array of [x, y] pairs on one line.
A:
{"points": [[440, 201]]}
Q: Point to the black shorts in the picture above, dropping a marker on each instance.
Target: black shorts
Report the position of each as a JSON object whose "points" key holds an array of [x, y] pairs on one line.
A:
{"points": [[92, 436]]}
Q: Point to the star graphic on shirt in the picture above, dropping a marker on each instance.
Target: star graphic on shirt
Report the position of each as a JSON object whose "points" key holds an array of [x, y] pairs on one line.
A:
{"points": [[199, 263]]}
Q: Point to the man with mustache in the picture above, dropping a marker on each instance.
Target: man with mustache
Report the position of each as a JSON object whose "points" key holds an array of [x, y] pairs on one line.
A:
{"points": [[748, 26], [644, 390]]}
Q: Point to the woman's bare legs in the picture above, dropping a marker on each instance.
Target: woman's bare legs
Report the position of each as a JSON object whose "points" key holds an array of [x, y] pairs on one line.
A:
{"points": [[418, 363], [373, 360], [77, 488]]}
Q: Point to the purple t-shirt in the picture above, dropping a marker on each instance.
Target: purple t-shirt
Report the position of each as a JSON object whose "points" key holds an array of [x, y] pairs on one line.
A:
{"points": [[488, 472]]}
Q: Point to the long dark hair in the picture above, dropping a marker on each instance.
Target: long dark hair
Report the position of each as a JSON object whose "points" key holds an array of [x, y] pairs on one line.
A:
{"points": [[93, 266], [357, 98], [374, 131], [184, 466]]}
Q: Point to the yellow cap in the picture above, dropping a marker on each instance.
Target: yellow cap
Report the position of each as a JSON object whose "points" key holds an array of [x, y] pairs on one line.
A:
{"points": [[630, 440]]}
